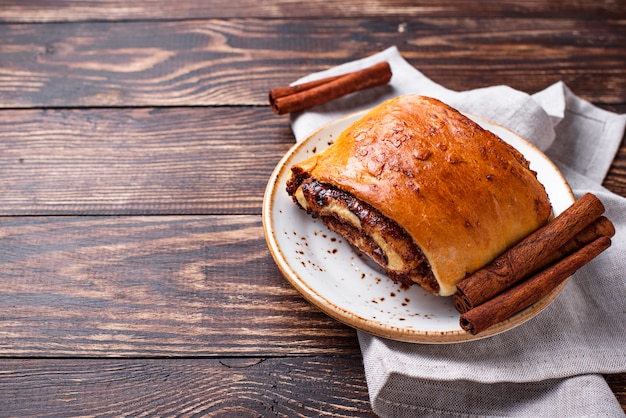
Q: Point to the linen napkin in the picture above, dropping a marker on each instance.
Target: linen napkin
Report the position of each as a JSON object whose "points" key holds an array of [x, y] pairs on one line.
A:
{"points": [[550, 365]]}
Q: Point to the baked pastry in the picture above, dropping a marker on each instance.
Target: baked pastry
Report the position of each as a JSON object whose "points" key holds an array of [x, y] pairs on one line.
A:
{"points": [[423, 190]]}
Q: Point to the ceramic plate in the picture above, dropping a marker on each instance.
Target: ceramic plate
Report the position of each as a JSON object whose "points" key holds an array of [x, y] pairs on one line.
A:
{"points": [[347, 286]]}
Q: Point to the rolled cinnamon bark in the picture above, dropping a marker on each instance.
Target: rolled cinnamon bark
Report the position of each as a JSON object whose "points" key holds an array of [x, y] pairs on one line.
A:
{"points": [[601, 227], [278, 92], [293, 98], [530, 291], [523, 258]]}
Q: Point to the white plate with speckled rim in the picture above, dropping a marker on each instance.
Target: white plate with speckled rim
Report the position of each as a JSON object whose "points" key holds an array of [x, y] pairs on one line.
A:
{"points": [[347, 286]]}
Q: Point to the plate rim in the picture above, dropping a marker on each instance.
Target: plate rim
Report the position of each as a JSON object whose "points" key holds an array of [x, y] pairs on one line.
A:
{"points": [[379, 328]]}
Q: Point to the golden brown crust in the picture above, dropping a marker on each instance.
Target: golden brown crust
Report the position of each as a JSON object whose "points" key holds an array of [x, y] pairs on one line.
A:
{"points": [[460, 192]]}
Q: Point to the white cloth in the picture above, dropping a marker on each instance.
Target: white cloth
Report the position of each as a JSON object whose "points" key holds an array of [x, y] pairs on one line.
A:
{"points": [[551, 365]]}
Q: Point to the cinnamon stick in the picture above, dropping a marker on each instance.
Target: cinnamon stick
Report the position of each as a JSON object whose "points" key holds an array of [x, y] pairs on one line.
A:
{"points": [[601, 227], [530, 291], [293, 98], [523, 258]]}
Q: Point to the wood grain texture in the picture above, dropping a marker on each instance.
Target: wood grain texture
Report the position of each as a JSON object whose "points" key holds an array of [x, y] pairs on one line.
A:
{"points": [[617, 383], [242, 387], [67, 10], [152, 286], [257, 387], [138, 161], [236, 62], [615, 179]]}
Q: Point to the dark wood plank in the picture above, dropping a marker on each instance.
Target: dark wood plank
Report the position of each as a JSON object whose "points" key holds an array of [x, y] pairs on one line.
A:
{"points": [[64, 10], [288, 387], [138, 161], [236, 62], [615, 179], [152, 286], [301, 386], [617, 383]]}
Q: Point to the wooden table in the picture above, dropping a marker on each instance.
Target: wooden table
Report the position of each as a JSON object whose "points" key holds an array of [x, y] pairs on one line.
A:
{"points": [[135, 145]]}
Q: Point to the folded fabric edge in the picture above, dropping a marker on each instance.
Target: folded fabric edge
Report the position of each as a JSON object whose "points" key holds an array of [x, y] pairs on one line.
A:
{"points": [[383, 358], [556, 397], [588, 136]]}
